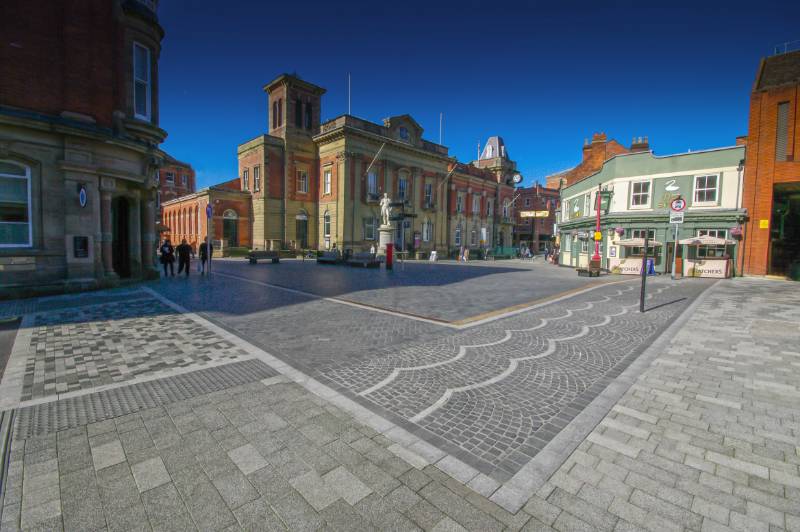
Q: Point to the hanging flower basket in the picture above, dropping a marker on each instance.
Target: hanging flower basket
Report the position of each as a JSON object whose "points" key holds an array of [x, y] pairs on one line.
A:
{"points": [[736, 232], [620, 231]]}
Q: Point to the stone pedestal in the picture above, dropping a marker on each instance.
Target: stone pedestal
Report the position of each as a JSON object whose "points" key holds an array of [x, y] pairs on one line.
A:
{"points": [[385, 236]]}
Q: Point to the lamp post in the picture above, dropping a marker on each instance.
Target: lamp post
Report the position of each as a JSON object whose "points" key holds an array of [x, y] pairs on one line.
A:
{"points": [[596, 256]]}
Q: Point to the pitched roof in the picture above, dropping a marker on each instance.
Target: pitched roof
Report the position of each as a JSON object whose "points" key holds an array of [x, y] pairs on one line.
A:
{"points": [[779, 70]]}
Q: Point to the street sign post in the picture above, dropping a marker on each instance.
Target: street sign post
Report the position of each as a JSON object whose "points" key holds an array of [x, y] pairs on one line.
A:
{"points": [[677, 207]]}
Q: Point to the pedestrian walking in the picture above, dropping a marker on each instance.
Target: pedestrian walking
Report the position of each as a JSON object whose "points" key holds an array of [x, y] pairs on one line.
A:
{"points": [[185, 252], [168, 257], [206, 249]]}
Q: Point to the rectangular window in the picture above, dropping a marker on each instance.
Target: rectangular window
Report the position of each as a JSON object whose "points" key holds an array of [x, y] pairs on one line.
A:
{"points": [[459, 203], [427, 231], [705, 188], [369, 228], [15, 206], [184, 179], [141, 81], [457, 238], [302, 181], [489, 204], [527, 202], [402, 184], [640, 194], [372, 183], [782, 132], [309, 115], [565, 211], [473, 237], [170, 177], [256, 178], [298, 113], [476, 205], [642, 233], [428, 195], [711, 251], [246, 180], [326, 181]]}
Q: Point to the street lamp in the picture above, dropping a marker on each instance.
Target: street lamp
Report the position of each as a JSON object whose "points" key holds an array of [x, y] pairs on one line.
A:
{"points": [[602, 196]]}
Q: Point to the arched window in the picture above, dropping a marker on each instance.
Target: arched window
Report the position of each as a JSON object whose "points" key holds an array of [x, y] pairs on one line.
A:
{"points": [[16, 229], [308, 116], [230, 214], [280, 112], [298, 113], [274, 115], [326, 224]]}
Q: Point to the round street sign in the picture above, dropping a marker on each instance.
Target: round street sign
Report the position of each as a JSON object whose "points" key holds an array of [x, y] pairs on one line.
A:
{"points": [[678, 204]]}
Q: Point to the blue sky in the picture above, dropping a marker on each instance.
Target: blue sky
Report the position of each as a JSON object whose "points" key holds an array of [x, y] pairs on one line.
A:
{"points": [[544, 76]]}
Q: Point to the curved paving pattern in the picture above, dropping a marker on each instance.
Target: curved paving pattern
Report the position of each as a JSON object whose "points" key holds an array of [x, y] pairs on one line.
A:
{"points": [[499, 392]]}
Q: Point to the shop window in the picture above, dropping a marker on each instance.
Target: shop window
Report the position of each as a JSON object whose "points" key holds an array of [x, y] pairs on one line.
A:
{"points": [[650, 234], [15, 206], [712, 251]]}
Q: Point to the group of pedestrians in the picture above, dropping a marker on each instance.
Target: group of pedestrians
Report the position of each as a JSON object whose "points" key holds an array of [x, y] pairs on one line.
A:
{"points": [[184, 252]]}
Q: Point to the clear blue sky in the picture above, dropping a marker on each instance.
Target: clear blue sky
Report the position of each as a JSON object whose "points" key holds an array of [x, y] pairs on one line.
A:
{"points": [[542, 75]]}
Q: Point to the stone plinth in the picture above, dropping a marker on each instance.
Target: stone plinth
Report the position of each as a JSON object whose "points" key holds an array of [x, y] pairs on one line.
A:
{"points": [[385, 236]]}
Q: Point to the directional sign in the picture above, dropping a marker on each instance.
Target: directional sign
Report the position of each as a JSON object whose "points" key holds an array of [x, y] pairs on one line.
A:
{"points": [[678, 204], [676, 217]]}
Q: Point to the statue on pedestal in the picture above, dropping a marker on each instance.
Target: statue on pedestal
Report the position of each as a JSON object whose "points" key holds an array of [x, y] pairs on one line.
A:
{"points": [[386, 208]]}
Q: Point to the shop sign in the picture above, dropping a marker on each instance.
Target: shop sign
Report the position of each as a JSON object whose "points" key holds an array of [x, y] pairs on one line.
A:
{"points": [[534, 214], [707, 268]]}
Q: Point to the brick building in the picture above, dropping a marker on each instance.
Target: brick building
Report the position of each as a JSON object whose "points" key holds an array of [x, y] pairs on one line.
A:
{"points": [[174, 179], [535, 217], [595, 153], [79, 141], [772, 169], [316, 184], [231, 221]]}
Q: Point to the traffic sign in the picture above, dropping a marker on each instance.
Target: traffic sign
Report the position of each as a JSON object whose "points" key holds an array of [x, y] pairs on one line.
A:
{"points": [[678, 204], [208, 210], [676, 217]]}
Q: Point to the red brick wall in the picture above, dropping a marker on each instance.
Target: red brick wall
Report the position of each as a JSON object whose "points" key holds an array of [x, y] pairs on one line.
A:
{"points": [[762, 171], [594, 155]]}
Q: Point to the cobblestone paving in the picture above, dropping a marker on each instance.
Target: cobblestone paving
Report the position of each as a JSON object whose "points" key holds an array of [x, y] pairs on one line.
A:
{"points": [[84, 346]]}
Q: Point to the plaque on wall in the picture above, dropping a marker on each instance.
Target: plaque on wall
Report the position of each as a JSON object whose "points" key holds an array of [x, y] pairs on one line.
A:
{"points": [[80, 247]]}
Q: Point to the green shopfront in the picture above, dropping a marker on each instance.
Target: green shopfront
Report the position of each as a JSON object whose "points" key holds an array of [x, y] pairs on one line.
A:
{"points": [[641, 187]]}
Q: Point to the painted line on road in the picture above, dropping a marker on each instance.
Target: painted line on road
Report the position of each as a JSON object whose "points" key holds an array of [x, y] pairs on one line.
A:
{"points": [[465, 323]]}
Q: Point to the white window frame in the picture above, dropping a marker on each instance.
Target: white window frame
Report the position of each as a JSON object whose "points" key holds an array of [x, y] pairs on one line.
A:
{"points": [[147, 82], [640, 233], [326, 180], [716, 251], [648, 194], [27, 178], [302, 181], [695, 201], [246, 179], [476, 205], [256, 178], [372, 183], [326, 224], [170, 177]]}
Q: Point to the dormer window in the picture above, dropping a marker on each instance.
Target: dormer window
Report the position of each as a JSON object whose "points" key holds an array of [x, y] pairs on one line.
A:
{"points": [[403, 132]]}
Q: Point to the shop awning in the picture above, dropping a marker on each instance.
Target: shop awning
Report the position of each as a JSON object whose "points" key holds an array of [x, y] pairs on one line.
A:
{"points": [[636, 242], [706, 240]]}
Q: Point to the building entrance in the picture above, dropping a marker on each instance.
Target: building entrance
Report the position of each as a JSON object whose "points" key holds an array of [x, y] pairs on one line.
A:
{"points": [[784, 245], [120, 239]]}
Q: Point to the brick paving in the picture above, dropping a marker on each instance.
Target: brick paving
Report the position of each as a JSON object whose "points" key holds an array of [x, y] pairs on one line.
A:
{"points": [[708, 438]]}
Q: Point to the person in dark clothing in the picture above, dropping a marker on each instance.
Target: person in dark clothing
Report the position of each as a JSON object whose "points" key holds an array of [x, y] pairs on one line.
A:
{"points": [[184, 253], [168, 257], [205, 249]]}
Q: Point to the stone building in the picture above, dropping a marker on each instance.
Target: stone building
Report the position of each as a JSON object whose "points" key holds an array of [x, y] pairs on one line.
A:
{"points": [[79, 141], [772, 169], [316, 184], [231, 217], [535, 217], [173, 180]]}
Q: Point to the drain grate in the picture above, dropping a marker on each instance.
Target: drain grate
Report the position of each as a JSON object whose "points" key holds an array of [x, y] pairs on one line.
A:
{"points": [[63, 414]]}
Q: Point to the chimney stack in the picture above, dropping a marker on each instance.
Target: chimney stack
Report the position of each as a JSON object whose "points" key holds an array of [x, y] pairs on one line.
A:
{"points": [[640, 144]]}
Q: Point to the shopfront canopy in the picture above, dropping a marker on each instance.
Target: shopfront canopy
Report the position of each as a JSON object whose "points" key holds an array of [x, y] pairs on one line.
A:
{"points": [[637, 242], [706, 240]]}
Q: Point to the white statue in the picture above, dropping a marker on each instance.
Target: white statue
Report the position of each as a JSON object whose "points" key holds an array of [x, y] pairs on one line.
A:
{"points": [[386, 208]]}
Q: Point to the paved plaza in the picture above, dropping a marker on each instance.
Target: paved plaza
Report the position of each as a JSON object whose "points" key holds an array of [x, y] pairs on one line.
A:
{"points": [[300, 397]]}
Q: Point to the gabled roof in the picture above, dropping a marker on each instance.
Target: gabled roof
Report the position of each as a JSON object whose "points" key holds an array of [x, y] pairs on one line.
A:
{"points": [[392, 120]]}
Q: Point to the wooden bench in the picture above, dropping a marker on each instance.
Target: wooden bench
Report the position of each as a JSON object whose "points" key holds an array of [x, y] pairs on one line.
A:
{"points": [[365, 259], [255, 256], [328, 257]]}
